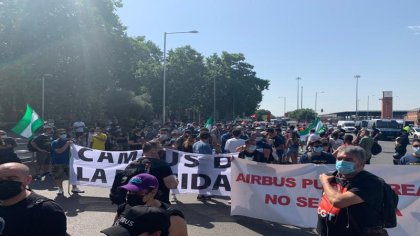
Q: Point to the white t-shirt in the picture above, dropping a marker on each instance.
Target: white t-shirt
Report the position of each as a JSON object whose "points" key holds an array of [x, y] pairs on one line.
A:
{"points": [[233, 143]]}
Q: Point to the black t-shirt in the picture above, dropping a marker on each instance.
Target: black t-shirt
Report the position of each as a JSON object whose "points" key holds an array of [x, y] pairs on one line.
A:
{"points": [[161, 169], [254, 156], [44, 141], [31, 219], [7, 153], [136, 139], [6, 157], [4, 143], [170, 211], [279, 141], [349, 221]]}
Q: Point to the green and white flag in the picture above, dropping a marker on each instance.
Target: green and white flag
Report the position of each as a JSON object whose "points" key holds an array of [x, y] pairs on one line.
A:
{"points": [[316, 124], [209, 123], [29, 123]]}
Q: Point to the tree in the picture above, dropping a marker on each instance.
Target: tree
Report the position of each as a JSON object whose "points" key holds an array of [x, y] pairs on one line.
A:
{"points": [[239, 90], [262, 114], [82, 44], [186, 86], [303, 115], [96, 72]]}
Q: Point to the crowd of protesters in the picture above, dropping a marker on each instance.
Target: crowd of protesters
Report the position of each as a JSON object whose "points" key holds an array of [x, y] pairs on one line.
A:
{"points": [[144, 201]]}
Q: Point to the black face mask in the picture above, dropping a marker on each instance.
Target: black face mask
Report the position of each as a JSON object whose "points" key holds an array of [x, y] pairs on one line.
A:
{"points": [[135, 200], [9, 189]]}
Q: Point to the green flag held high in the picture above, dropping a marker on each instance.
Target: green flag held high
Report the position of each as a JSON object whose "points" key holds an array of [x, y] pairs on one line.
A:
{"points": [[316, 124], [29, 123], [209, 123]]}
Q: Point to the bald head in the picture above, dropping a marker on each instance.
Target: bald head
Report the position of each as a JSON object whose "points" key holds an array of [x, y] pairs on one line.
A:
{"points": [[15, 171]]}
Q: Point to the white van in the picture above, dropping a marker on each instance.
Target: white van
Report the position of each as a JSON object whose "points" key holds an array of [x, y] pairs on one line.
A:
{"points": [[347, 125]]}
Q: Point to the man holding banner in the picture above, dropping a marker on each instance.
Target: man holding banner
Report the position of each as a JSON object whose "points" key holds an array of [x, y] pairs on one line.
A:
{"points": [[60, 155], [352, 202]]}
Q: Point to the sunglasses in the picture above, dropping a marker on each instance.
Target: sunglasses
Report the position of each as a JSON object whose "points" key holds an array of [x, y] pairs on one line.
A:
{"points": [[416, 146]]}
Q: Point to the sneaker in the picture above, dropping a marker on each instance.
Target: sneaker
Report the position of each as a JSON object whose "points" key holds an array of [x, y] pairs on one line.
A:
{"points": [[77, 190], [60, 191]]}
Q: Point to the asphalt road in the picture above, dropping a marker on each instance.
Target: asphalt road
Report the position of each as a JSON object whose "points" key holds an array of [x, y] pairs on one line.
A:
{"points": [[92, 211]]}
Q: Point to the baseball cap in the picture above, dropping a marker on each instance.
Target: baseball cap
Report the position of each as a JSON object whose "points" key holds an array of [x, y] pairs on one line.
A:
{"points": [[141, 182], [138, 220]]}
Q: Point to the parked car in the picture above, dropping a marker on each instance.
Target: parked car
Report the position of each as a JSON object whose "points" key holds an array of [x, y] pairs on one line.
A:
{"points": [[347, 125], [416, 132]]}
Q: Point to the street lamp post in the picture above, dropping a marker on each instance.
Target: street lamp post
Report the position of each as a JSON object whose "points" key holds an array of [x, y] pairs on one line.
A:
{"points": [[43, 93], [214, 98], [301, 97], [297, 104], [316, 98], [284, 106], [164, 68], [357, 96]]}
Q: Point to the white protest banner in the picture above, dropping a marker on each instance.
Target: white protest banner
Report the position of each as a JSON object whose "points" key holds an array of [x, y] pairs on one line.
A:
{"points": [[199, 173], [92, 167], [206, 174], [290, 194]]}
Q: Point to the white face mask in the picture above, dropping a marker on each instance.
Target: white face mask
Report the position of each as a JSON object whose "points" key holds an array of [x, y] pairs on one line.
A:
{"points": [[63, 136], [3, 136]]}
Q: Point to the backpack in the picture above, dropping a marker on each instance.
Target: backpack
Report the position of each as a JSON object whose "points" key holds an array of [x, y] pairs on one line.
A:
{"points": [[117, 195], [29, 145], [389, 206], [376, 148]]}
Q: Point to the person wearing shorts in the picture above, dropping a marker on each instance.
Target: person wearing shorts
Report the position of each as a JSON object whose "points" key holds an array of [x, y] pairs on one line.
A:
{"points": [[42, 144], [60, 171], [60, 157]]}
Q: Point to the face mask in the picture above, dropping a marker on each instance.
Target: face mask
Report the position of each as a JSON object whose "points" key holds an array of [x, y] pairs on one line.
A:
{"points": [[63, 136], [163, 137], [318, 149], [416, 150], [135, 200], [344, 167], [258, 139], [3, 136], [9, 189], [252, 147]]}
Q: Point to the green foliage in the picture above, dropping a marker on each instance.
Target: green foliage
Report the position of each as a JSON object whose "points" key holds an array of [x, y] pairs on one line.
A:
{"points": [[262, 114], [135, 107], [303, 115], [94, 71]]}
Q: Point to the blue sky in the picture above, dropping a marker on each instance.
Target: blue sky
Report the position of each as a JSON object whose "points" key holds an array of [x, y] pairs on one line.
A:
{"points": [[325, 42]]}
